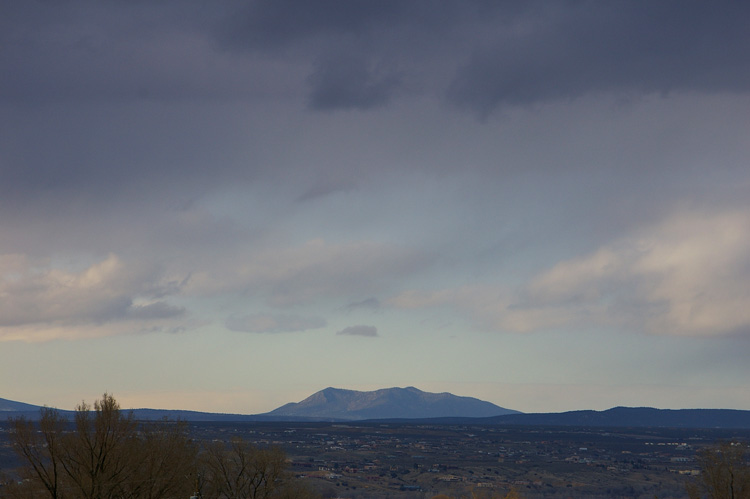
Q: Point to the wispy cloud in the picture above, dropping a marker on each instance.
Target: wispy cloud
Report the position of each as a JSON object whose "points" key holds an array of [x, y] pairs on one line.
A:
{"points": [[367, 331], [371, 303], [315, 270], [274, 323]]}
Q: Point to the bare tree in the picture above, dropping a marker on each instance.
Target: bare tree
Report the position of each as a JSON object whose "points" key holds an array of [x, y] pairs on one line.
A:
{"points": [[41, 449], [98, 457], [243, 471], [105, 454], [166, 462], [725, 473]]}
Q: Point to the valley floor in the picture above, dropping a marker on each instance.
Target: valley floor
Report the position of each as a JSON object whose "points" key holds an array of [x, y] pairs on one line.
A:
{"points": [[368, 460]]}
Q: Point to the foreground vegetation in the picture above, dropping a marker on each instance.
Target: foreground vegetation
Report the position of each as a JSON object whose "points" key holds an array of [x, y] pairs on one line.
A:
{"points": [[725, 473], [106, 454], [103, 453]]}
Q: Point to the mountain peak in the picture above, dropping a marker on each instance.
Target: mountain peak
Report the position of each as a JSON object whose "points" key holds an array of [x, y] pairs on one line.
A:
{"points": [[387, 403]]}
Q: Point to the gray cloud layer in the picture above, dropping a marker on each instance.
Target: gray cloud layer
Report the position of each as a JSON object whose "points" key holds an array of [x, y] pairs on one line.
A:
{"points": [[94, 82], [495, 53], [296, 152]]}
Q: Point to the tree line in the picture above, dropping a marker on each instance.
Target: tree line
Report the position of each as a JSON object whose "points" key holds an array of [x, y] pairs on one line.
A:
{"points": [[106, 454]]}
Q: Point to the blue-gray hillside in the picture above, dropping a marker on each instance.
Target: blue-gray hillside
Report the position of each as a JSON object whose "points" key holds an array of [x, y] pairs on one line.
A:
{"points": [[409, 403], [13, 406], [13, 409], [635, 417], [388, 403]]}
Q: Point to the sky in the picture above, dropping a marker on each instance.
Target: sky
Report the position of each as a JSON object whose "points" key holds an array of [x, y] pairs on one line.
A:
{"points": [[226, 206]]}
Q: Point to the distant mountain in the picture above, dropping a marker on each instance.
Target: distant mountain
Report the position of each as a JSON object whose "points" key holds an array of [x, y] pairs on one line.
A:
{"points": [[195, 416], [410, 405], [13, 409], [633, 417], [13, 406], [388, 403]]}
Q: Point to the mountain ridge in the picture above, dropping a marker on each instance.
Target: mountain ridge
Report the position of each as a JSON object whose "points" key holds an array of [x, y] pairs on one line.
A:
{"points": [[635, 417], [407, 403], [614, 417]]}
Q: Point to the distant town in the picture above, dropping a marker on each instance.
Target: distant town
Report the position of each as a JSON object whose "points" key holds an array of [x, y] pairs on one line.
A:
{"points": [[402, 460], [405, 460]]}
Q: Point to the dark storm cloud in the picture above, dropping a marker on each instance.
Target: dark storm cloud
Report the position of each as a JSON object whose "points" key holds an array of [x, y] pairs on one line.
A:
{"points": [[349, 82], [140, 99], [586, 47], [352, 43], [505, 53], [499, 52], [358, 48], [270, 24], [108, 152], [101, 51], [107, 99]]}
